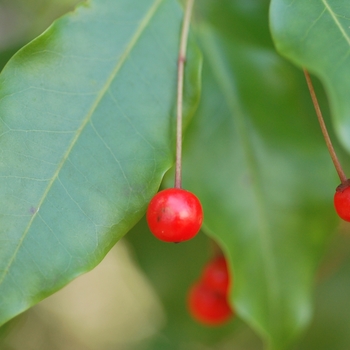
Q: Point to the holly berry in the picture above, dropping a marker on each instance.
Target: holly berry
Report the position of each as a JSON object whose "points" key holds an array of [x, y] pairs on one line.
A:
{"points": [[207, 305], [174, 215], [207, 299], [342, 201], [215, 275]]}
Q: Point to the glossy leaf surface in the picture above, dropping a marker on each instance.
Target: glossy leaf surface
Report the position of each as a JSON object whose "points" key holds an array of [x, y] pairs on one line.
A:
{"points": [[316, 35], [264, 179], [86, 125]]}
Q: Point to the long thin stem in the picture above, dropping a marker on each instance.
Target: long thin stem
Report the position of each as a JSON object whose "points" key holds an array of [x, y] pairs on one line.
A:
{"points": [[180, 83], [331, 150]]}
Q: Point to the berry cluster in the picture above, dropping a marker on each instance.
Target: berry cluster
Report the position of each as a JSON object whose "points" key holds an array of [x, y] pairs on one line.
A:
{"points": [[207, 298]]}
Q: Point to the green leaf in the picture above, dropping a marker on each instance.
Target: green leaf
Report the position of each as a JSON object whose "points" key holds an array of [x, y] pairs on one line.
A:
{"points": [[316, 35], [244, 20], [86, 129], [330, 326], [255, 158]]}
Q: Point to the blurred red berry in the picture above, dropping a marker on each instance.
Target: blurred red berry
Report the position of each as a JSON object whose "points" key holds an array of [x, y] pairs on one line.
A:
{"points": [[207, 306], [216, 276], [342, 201]]}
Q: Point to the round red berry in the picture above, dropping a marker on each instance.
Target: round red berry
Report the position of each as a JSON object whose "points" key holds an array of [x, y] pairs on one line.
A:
{"points": [[342, 201], [174, 215], [216, 276], [207, 306]]}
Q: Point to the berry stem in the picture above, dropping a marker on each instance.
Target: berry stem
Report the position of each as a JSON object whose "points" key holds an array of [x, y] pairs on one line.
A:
{"points": [[180, 83], [330, 147]]}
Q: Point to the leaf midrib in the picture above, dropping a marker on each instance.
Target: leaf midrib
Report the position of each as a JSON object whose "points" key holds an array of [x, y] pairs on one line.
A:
{"points": [[142, 26], [213, 52], [333, 15]]}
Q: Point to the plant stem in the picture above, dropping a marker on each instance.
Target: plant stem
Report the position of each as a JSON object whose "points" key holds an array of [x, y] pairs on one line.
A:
{"points": [[180, 83], [330, 147]]}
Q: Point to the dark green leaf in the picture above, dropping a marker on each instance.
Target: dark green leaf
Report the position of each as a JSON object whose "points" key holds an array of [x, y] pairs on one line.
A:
{"points": [[255, 157], [244, 20], [330, 327], [5, 56], [86, 129], [316, 35]]}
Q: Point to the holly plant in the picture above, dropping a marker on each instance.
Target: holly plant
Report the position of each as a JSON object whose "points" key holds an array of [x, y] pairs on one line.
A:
{"points": [[200, 114]]}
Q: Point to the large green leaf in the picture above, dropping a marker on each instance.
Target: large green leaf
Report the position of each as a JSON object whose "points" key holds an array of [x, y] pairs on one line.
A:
{"points": [[330, 327], [86, 120], [316, 34], [265, 180]]}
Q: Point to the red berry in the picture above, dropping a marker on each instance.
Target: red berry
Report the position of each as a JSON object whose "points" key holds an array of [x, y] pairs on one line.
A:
{"points": [[174, 215], [216, 275], [208, 306], [342, 201]]}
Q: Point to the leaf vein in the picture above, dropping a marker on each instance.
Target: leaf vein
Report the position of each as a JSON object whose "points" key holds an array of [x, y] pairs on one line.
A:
{"points": [[338, 24], [111, 152], [129, 120]]}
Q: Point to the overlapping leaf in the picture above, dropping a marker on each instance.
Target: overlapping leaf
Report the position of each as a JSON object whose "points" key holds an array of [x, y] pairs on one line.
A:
{"points": [[256, 159], [316, 35], [330, 327], [86, 131]]}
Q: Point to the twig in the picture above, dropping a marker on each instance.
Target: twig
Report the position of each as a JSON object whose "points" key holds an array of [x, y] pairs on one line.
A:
{"points": [[180, 83], [331, 150]]}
